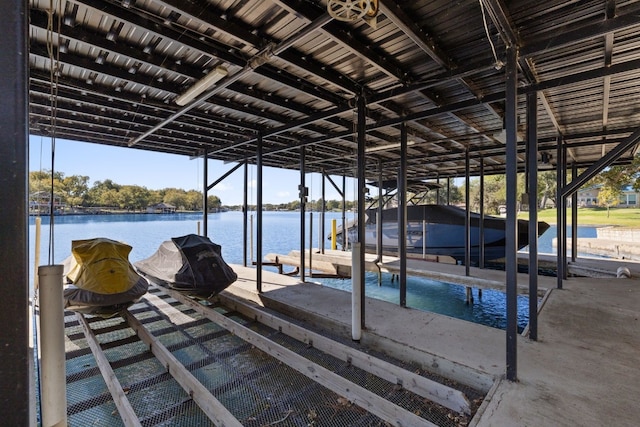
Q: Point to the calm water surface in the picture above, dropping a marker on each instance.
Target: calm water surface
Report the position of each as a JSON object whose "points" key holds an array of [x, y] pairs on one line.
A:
{"points": [[281, 234]]}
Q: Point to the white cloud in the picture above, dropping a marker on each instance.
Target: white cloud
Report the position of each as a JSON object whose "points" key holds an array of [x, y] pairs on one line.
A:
{"points": [[223, 187]]}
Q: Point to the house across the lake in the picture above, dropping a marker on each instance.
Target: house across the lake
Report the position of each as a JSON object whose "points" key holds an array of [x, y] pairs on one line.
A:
{"points": [[161, 208], [588, 197]]}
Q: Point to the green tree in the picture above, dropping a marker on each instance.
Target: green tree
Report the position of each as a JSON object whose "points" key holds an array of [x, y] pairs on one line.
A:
{"points": [[193, 200], [76, 190], [609, 197], [133, 197], [214, 202], [546, 188], [176, 197]]}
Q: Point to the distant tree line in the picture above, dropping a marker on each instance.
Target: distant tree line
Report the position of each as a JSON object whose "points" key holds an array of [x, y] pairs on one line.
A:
{"points": [[74, 191]]}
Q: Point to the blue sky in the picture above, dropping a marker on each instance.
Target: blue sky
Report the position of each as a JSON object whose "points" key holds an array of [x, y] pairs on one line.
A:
{"points": [[129, 166]]}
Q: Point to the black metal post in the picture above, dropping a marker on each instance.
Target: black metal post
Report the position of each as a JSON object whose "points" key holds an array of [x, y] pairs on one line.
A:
{"points": [[448, 191], [16, 369], [245, 208], [303, 201], [379, 219], [361, 196], [322, 216], [481, 225], [532, 191], [564, 210], [511, 260], [344, 213], [205, 192], [560, 243], [574, 216], [438, 191], [402, 215], [259, 212], [467, 216]]}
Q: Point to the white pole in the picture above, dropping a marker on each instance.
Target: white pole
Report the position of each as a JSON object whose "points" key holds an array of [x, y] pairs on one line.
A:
{"points": [[198, 228], [52, 372], [356, 309]]}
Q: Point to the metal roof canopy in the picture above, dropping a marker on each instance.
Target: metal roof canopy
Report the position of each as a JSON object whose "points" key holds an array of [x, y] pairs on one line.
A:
{"points": [[110, 73]]}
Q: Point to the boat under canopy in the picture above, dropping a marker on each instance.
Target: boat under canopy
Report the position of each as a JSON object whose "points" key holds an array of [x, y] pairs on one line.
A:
{"points": [[440, 230], [192, 264], [99, 278]]}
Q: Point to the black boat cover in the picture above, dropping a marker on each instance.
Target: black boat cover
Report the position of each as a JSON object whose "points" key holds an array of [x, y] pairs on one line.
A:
{"points": [[190, 263]]}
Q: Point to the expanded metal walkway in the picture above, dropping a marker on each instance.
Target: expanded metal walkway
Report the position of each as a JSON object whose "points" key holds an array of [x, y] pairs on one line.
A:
{"points": [[171, 360]]}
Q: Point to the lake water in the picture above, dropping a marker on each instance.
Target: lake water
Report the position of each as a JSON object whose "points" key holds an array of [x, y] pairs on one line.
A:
{"points": [[281, 234]]}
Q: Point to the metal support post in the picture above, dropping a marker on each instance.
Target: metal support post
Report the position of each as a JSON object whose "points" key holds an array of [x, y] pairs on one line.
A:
{"points": [[205, 202], [361, 196], [344, 213], [481, 225], [302, 188], [564, 211], [259, 212], [511, 260], [321, 239], [379, 214], [532, 191], [402, 215], [17, 353], [560, 243], [245, 208], [574, 216], [467, 216]]}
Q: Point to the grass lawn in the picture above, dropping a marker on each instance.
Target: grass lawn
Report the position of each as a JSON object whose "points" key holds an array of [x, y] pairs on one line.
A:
{"points": [[622, 217]]}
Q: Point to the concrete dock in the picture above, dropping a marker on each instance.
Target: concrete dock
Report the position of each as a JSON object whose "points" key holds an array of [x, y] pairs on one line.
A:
{"points": [[582, 371], [339, 263]]}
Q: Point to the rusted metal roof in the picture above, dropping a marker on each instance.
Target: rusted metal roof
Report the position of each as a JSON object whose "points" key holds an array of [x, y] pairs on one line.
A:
{"points": [[109, 72]]}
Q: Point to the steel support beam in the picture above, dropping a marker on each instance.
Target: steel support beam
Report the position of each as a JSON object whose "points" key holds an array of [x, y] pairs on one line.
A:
{"points": [[379, 218], [564, 209], [205, 189], [361, 196], [627, 144], [560, 216], [16, 394], [511, 249], [532, 192], [223, 177], [467, 216], [344, 213], [302, 188], [245, 213], [481, 225], [321, 239], [574, 217], [259, 213], [402, 215]]}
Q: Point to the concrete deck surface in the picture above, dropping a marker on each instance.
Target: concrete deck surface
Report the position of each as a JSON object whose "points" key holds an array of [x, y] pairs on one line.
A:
{"points": [[582, 371]]}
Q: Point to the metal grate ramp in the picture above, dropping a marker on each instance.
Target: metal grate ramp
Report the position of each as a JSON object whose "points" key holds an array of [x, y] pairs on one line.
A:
{"points": [[257, 374]]}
